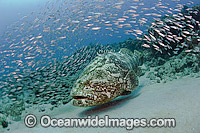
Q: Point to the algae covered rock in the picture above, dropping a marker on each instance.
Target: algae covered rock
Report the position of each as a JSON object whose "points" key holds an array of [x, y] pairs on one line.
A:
{"points": [[178, 66]]}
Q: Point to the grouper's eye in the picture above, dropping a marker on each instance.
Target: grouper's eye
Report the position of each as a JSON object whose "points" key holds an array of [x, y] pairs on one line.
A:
{"points": [[81, 84], [86, 82]]}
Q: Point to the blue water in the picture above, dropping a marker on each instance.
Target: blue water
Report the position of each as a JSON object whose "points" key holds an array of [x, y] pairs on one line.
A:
{"points": [[21, 20]]}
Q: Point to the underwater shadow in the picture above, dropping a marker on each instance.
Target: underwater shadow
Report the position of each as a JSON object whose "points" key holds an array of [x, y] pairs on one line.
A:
{"points": [[118, 102]]}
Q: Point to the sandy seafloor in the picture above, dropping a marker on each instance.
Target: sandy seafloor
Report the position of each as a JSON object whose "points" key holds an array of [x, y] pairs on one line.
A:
{"points": [[179, 99]]}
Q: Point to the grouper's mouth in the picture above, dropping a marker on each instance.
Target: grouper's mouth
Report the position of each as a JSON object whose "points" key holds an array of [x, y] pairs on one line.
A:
{"points": [[83, 101], [91, 97], [81, 97]]}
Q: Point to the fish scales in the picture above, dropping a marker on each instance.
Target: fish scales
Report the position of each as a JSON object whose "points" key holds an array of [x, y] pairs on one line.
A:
{"points": [[108, 76]]}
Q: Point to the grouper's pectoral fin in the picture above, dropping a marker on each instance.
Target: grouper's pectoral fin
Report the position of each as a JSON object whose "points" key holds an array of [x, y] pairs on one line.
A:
{"points": [[138, 71], [131, 80], [125, 93]]}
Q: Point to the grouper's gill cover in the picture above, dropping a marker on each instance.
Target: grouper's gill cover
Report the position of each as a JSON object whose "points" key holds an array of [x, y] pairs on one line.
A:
{"points": [[106, 77]]}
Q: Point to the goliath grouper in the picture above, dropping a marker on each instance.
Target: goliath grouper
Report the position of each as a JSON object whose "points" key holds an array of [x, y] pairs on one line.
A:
{"points": [[107, 76]]}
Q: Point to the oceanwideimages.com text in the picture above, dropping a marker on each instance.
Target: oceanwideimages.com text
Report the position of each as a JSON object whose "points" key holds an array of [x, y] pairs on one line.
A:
{"points": [[128, 123]]}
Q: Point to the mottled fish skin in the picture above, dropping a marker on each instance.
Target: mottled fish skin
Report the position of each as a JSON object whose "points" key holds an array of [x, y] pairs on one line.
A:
{"points": [[106, 77]]}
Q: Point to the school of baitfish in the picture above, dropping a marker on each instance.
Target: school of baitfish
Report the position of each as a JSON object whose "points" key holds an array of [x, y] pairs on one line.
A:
{"points": [[54, 32], [171, 34]]}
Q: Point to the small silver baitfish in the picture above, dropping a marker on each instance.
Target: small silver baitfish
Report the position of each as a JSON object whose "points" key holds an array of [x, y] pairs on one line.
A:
{"points": [[107, 76]]}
